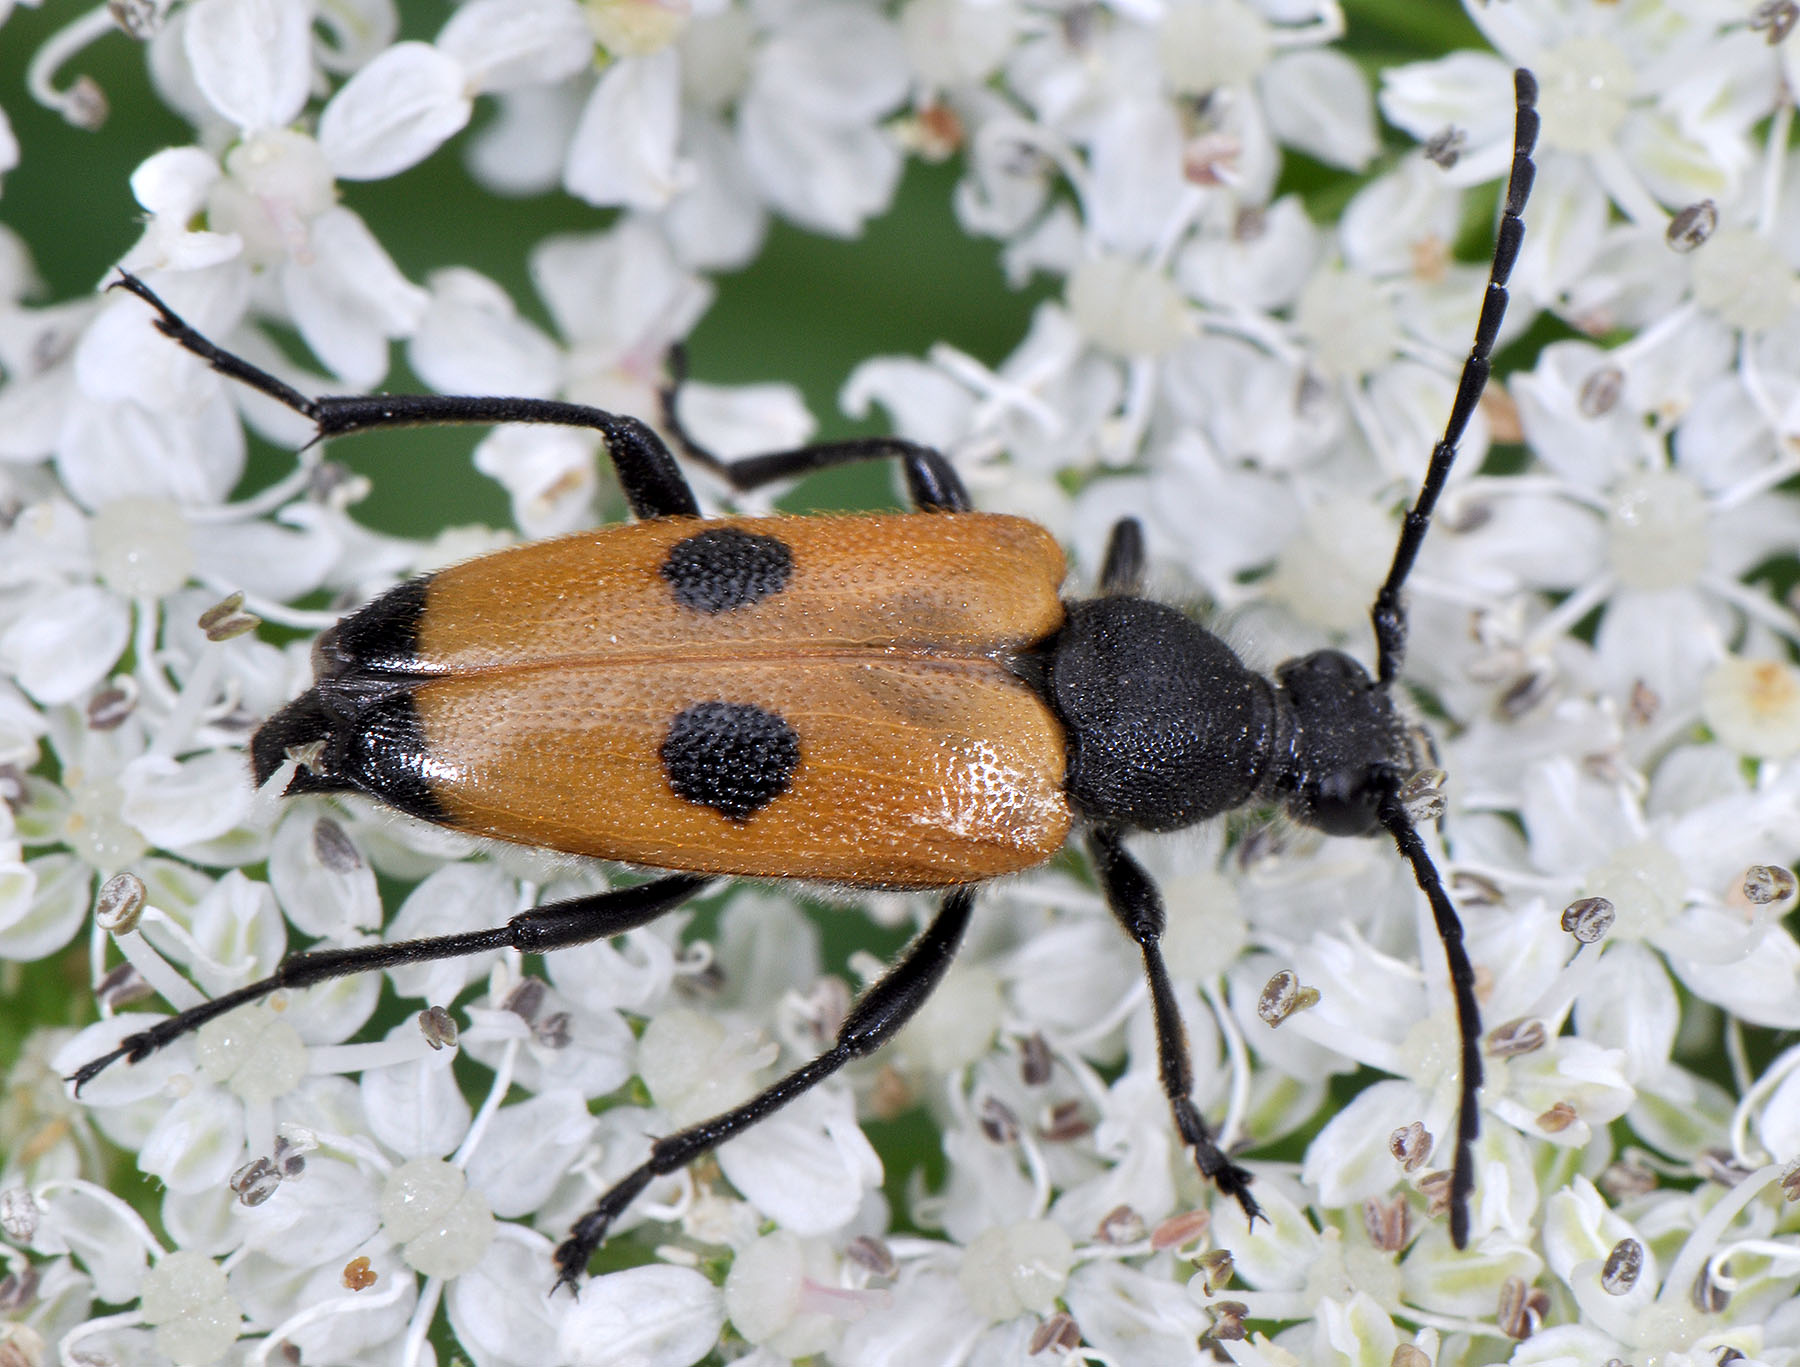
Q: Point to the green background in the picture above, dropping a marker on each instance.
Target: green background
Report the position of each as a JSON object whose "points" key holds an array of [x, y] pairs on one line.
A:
{"points": [[807, 311]]}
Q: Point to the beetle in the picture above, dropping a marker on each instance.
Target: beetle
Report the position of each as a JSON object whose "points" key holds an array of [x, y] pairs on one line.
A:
{"points": [[900, 701]]}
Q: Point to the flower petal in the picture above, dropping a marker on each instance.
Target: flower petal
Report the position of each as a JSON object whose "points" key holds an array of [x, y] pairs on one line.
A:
{"points": [[252, 59], [395, 112]]}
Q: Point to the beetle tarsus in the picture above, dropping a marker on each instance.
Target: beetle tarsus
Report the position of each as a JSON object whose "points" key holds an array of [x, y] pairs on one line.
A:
{"points": [[172, 325], [1214, 1163], [576, 1251], [94, 1067]]}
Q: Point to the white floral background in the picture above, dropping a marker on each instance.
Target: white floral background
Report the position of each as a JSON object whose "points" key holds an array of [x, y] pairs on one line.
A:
{"points": [[1258, 244]]}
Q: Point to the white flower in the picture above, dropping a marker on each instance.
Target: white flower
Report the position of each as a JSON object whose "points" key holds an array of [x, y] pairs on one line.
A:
{"points": [[1610, 688], [644, 1317]]}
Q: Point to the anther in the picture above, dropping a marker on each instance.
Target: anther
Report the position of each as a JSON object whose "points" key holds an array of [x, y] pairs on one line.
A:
{"points": [[1790, 1181], [438, 1027], [227, 619], [552, 1032], [121, 986], [1181, 1229], [1775, 19], [333, 849], [108, 709], [1423, 796], [1059, 1331], [1282, 996], [1708, 1296], [998, 1122], [1522, 1308], [526, 999], [1066, 1123], [1558, 1118], [1588, 919], [1228, 1321], [18, 1289], [1121, 1225], [1622, 1267], [1600, 392], [1767, 884], [121, 903], [1217, 1268], [1692, 226], [19, 1214], [1034, 1060], [1387, 1223], [359, 1274], [1445, 147], [1411, 1146], [872, 1255], [1523, 1036], [255, 1182]]}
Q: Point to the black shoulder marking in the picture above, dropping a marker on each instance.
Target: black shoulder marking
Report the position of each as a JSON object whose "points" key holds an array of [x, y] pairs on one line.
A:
{"points": [[384, 754], [734, 757], [382, 636], [725, 568], [301, 723], [365, 736]]}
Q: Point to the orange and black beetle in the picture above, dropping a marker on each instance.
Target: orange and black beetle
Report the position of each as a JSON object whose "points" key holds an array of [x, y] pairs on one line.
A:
{"points": [[899, 701]]}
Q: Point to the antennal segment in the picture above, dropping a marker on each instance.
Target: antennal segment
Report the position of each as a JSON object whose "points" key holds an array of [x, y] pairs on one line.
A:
{"points": [[1389, 614]]}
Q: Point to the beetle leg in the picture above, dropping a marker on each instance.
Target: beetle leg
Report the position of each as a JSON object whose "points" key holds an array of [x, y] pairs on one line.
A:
{"points": [[931, 481], [880, 1012], [1389, 613], [557, 926], [1468, 1012], [653, 483], [1135, 901], [1122, 572]]}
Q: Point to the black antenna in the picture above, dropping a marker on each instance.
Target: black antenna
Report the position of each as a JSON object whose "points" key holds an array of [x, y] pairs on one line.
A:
{"points": [[1389, 616]]}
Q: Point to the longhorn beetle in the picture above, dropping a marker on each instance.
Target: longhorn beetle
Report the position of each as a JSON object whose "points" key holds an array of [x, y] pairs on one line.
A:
{"points": [[899, 701]]}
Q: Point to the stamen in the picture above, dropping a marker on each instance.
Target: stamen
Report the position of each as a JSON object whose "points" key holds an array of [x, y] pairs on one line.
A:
{"points": [[176, 990], [1690, 1263], [83, 102], [502, 1084], [283, 1333]]}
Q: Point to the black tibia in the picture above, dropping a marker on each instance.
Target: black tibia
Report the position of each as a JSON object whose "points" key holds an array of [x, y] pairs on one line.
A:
{"points": [[881, 1011], [1138, 906], [931, 481], [557, 926], [1468, 1014], [1389, 613], [1122, 572], [653, 483]]}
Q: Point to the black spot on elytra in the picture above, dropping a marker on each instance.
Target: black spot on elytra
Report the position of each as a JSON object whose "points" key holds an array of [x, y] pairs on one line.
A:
{"points": [[734, 757], [726, 568]]}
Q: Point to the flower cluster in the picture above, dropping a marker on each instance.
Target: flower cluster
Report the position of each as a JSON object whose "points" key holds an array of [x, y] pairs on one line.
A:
{"points": [[363, 1171]]}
